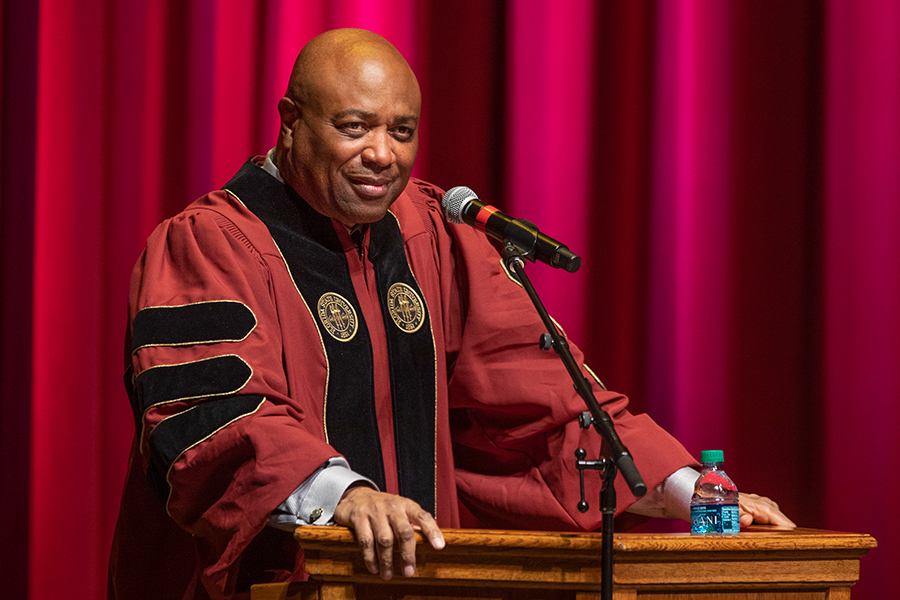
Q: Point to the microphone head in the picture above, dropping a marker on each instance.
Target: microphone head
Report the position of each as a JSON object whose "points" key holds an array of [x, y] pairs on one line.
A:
{"points": [[455, 201]]}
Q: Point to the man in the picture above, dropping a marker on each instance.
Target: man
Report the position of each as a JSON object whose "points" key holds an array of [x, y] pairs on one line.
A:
{"points": [[315, 344]]}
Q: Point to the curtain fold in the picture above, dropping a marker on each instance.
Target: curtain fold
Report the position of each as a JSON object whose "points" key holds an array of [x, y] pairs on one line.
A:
{"points": [[861, 263], [18, 69], [729, 172]]}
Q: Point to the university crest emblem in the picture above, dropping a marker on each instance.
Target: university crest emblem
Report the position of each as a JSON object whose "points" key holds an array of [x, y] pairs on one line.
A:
{"points": [[338, 316], [405, 307]]}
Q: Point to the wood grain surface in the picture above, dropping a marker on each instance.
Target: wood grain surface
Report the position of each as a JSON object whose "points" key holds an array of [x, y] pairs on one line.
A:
{"points": [[762, 563]]}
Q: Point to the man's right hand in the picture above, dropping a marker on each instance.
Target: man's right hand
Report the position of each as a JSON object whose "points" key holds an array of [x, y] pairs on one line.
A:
{"points": [[378, 520]]}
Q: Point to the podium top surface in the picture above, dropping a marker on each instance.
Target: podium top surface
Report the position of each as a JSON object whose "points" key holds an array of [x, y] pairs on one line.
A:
{"points": [[757, 538]]}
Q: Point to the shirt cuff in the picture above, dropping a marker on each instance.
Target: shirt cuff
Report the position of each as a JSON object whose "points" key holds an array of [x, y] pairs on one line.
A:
{"points": [[670, 499], [314, 500]]}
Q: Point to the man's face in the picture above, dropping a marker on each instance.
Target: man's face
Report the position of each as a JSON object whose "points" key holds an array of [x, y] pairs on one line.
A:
{"points": [[353, 141]]}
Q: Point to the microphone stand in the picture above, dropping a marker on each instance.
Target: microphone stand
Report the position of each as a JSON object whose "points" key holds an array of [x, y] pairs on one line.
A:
{"points": [[619, 458]]}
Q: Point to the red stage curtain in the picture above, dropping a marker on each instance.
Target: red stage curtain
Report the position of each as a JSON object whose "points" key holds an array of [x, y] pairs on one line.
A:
{"points": [[860, 266], [729, 170]]}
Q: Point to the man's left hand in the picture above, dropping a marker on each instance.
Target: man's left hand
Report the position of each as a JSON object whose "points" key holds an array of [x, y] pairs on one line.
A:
{"points": [[761, 510]]}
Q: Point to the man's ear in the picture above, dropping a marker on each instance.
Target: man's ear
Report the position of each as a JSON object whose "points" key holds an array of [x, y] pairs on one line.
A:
{"points": [[289, 113]]}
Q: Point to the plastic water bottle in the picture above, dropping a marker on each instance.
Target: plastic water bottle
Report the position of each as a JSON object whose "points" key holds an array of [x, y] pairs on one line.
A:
{"points": [[714, 505]]}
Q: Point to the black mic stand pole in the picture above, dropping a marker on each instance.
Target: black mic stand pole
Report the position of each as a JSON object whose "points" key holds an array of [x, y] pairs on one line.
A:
{"points": [[607, 470], [620, 459]]}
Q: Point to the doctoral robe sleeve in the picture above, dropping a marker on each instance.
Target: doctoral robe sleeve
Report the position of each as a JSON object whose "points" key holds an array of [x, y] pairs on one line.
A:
{"points": [[223, 440], [514, 410]]}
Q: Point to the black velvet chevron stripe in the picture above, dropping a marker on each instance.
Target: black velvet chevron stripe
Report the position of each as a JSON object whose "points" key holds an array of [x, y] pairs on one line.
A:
{"points": [[216, 376], [179, 432], [200, 323]]}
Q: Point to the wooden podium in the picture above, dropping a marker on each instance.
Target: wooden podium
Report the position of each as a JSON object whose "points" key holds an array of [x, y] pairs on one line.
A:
{"points": [[762, 563]]}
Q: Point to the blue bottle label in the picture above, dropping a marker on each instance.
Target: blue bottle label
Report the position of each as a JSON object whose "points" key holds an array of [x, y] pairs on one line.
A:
{"points": [[715, 519]]}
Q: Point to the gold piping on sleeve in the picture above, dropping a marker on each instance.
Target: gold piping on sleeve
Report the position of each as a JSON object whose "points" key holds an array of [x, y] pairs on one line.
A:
{"points": [[594, 375]]}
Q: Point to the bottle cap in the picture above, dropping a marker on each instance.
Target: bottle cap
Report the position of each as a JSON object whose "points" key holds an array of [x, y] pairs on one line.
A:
{"points": [[712, 456]]}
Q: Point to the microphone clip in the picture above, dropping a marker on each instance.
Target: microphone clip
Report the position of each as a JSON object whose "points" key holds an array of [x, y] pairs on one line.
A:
{"points": [[523, 238]]}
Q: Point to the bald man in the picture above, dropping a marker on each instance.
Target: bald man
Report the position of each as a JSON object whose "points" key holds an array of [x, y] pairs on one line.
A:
{"points": [[315, 344]]}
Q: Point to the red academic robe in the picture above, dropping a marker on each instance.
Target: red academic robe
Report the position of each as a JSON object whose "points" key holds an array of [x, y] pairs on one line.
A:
{"points": [[209, 464]]}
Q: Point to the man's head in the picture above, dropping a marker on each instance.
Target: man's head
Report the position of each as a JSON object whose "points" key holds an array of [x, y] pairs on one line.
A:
{"points": [[349, 119]]}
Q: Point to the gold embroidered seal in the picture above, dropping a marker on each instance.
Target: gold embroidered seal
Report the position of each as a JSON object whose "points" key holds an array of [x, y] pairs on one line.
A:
{"points": [[338, 316], [405, 307]]}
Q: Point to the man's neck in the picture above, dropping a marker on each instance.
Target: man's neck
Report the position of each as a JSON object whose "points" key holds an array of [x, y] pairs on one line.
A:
{"points": [[271, 168]]}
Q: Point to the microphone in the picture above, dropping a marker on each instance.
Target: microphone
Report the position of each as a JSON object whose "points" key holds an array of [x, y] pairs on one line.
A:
{"points": [[461, 205]]}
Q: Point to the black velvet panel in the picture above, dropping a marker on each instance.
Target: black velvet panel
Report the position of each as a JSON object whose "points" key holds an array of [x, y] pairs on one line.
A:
{"points": [[200, 323], [179, 432], [216, 376], [412, 365], [318, 265]]}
